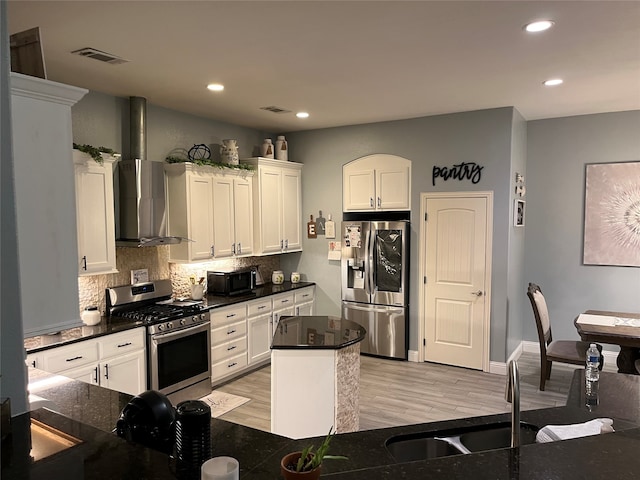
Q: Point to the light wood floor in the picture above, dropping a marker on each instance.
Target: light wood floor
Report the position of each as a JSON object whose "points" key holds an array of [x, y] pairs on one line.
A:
{"points": [[394, 393]]}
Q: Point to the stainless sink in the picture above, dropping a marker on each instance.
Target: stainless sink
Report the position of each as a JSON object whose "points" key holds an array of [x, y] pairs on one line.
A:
{"points": [[409, 450], [498, 436], [425, 446]]}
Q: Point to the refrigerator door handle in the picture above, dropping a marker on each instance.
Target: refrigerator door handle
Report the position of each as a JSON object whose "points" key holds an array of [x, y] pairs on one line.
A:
{"points": [[368, 281], [372, 308]]}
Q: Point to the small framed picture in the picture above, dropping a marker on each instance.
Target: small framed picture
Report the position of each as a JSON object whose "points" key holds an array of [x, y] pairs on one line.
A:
{"points": [[518, 213]]}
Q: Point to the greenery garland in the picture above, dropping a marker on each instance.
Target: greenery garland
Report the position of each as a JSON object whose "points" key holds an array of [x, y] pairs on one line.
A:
{"points": [[96, 153], [207, 162]]}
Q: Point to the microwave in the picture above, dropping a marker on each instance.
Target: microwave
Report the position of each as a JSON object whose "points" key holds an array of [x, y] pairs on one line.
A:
{"points": [[231, 282]]}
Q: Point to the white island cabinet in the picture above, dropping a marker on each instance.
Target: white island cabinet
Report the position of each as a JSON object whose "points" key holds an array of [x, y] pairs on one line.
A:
{"points": [[315, 361], [45, 203]]}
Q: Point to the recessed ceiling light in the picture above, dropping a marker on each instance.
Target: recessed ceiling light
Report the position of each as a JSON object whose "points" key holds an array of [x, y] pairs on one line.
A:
{"points": [[215, 87], [553, 82], [302, 115], [539, 26]]}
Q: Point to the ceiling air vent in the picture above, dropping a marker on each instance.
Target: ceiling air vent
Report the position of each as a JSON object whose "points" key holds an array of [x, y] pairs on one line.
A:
{"points": [[274, 109], [98, 55]]}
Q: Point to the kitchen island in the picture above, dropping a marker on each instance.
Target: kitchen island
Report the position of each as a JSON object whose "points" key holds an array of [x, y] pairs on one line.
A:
{"points": [[315, 376], [104, 455]]}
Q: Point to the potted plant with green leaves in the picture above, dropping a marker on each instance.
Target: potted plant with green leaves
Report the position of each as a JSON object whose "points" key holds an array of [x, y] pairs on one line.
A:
{"points": [[307, 463]]}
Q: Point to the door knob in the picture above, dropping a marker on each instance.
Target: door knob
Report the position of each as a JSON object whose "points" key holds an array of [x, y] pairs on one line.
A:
{"points": [[479, 293]]}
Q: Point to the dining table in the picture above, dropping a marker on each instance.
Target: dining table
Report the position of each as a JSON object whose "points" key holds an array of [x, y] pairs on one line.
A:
{"points": [[616, 328]]}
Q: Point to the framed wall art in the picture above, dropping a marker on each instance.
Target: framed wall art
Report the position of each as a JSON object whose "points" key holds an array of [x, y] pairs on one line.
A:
{"points": [[518, 213], [612, 214]]}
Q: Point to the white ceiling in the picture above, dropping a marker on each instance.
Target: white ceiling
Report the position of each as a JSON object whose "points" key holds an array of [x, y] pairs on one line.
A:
{"points": [[345, 62]]}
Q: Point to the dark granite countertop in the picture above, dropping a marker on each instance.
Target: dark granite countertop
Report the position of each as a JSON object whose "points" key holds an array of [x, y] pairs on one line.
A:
{"points": [[110, 325], [316, 332], [90, 412]]}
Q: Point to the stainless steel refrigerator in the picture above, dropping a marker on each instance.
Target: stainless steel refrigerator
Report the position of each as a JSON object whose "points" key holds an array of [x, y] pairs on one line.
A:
{"points": [[375, 284]]}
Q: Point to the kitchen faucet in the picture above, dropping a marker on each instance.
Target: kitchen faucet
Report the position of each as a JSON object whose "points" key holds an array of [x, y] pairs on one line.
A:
{"points": [[512, 395]]}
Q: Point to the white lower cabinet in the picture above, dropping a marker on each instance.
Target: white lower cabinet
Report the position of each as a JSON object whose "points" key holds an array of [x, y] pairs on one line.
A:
{"points": [[116, 361], [303, 300], [228, 341], [241, 334]]}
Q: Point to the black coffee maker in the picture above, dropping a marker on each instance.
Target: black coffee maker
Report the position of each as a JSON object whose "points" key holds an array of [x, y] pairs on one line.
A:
{"points": [[148, 419], [193, 438]]}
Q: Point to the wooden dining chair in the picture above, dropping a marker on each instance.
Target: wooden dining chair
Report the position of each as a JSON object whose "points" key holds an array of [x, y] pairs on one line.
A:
{"points": [[565, 351]]}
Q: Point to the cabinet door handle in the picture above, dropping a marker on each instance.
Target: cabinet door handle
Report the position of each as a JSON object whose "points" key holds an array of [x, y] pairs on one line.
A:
{"points": [[84, 263], [213, 251], [285, 301], [33, 364], [281, 244], [232, 364], [297, 310], [232, 348], [379, 202], [286, 243], [371, 201], [239, 248], [124, 344], [231, 315], [106, 371], [259, 308], [74, 358], [229, 332], [233, 248], [95, 378]]}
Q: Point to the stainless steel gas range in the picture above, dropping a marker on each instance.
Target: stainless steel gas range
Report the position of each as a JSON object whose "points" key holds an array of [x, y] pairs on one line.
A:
{"points": [[178, 337]]}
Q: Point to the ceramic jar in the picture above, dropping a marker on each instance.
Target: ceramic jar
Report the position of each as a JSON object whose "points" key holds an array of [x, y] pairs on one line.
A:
{"points": [[281, 149], [229, 152], [91, 316], [277, 277], [267, 149], [295, 277]]}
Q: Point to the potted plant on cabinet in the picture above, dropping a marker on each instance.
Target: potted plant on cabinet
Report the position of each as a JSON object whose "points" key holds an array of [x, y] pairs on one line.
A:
{"points": [[307, 463]]}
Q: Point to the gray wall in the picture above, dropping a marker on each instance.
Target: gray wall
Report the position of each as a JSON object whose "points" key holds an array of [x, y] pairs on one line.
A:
{"points": [[483, 137], [515, 297], [103, 121], [557, 152], [12, 367]]}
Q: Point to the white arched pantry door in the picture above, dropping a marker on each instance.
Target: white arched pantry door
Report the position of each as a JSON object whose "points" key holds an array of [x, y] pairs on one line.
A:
{"points": [[456, 267]]}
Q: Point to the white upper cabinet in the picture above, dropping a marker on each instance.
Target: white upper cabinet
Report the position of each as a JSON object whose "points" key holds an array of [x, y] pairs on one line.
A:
{"points": [[45, 203], [277, 200], [95, 214], [210, 207], [375, 183]]}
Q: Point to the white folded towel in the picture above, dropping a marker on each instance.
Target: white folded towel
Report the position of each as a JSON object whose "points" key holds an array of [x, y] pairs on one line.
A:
{"points": [[551, 433]]}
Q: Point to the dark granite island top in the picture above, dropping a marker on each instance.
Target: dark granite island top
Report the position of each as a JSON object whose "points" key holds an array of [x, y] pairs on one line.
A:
{"points": [[103, 455], [316, 332]]}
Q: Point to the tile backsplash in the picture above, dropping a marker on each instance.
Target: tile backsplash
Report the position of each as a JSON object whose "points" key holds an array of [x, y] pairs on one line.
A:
{"points": [[156, 260]]}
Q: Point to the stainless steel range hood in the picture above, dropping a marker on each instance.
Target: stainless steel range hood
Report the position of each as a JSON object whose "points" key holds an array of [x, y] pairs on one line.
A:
{"points": [[141, 183]]}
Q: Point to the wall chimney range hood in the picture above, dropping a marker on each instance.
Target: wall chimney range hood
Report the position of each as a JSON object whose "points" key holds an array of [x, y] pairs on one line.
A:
{"points": [[141, 184]]}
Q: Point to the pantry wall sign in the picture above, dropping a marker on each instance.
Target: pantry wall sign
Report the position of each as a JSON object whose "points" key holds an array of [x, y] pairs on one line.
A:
{"points": [[461, 171]]}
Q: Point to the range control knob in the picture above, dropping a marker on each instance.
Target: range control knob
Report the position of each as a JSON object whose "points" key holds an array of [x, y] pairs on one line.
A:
{"points": [[169, 326], [202, 316], [183, 321], [194, 318], [160, 327]]}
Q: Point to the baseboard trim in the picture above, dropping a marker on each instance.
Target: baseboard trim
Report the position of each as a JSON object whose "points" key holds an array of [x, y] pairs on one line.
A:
{"points": [[413, 356]]}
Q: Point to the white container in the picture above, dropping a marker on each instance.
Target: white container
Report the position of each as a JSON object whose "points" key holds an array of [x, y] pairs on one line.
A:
{"points": [[220, 468], [295, 277], [281, 149], [91, 316], [197, 291], [229, 152], [267, 149], [277, 277]]}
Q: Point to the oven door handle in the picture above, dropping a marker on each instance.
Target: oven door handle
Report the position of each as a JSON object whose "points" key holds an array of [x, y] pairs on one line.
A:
{"points": [[165, 337]]}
